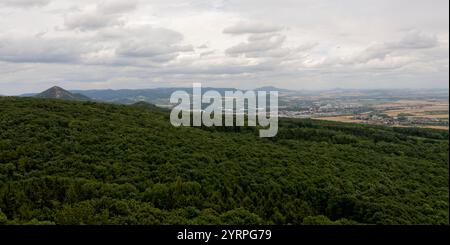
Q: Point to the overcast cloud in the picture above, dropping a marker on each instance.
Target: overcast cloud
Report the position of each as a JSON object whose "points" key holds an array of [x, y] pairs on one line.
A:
{"points": [[294, 44]]}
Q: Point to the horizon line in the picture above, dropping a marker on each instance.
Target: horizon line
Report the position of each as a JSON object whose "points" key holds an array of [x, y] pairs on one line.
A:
{"points": [[281, 88]]}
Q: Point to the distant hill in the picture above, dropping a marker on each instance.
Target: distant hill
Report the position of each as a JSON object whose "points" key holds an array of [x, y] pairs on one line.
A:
{"points": [[60, 93], [128, 96], [149, 106], [131, 96], [271, 88], [154, 95]]}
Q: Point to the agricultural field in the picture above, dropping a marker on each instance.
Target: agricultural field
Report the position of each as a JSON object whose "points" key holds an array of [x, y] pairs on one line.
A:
{"points": [[401, 113]]}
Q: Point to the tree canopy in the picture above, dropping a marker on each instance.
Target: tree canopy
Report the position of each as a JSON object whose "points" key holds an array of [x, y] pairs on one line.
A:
{"points": [[68, 162]]}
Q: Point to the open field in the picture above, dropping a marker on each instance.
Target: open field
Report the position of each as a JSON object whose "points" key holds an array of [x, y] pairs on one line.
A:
{"points": [[341, 119], [416, 108], [348, 119], [414, 113]]}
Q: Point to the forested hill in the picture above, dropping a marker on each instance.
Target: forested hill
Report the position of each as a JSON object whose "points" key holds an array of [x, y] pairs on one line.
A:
{"points": [[65, 162], [60, 93]]}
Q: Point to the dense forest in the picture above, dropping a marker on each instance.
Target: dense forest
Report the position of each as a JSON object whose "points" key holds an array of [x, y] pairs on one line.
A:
{"points": [[65, 162]]}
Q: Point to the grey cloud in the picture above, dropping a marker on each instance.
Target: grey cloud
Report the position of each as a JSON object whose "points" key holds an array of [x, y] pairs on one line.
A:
{"points": [[145, 32], [90, 21], [139, 46], [24, 3], [207, 53], [262, 36], [117, 6], [269, 46], [157, 44], [149, 49], [203, 46], [251, 27], [376, 51], [411, 42], [38, 49], [273, 53], [105, 14], [257, 45], [415, 40], [306, 46], [220, 69]]}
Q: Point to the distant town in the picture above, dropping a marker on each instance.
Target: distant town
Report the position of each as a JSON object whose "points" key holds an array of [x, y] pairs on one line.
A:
{"points": [[410, 108]]}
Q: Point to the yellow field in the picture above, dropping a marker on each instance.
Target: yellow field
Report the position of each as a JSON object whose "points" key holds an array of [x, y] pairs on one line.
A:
{"points": [[437, 127], [417, 108], [414, 108], [340, 119]]}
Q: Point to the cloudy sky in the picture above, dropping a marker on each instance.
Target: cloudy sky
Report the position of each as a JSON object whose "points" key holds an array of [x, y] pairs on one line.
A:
{"points": [[295, 44]]}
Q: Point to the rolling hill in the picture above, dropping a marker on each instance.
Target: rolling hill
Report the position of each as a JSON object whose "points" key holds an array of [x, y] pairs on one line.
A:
{"points": [[71, 162]]}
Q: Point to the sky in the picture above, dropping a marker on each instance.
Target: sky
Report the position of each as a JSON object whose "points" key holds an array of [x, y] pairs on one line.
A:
{"points": [[294, 44]]}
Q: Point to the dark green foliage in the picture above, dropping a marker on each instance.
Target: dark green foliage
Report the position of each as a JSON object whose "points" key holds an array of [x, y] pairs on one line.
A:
{"points": [[90, 163]]}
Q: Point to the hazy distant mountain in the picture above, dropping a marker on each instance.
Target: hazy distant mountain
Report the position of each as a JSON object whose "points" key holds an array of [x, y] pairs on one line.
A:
{"points": [[154, 96], [128, 96], [272, 88], [131, 96], [160, 96], [60, 93]]}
